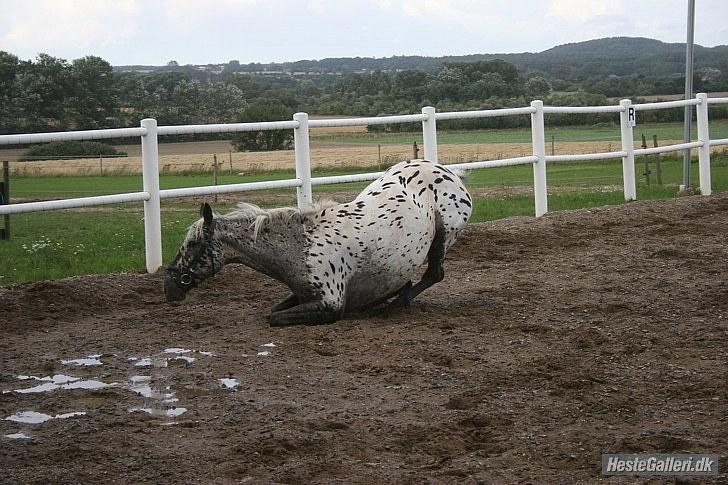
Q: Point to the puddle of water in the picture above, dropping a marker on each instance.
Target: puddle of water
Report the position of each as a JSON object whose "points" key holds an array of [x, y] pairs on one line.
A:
{"points": [[56, 379], [86, 361], [18, 436], [165, 413], [48, 386], [69, 415], [90, 384], [60, 381], [29, 417], [177, 350], [33, 417], [145, 390], [180, 350], [143, 362], [158, 400], [229, 383], [161, 361]]}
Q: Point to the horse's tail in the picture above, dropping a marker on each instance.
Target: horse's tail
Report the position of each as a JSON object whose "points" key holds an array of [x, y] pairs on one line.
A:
{"points": [[462, 174]]}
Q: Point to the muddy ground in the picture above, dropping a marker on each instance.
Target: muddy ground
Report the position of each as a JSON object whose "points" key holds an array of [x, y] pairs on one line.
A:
{"points": [[550, 342]]}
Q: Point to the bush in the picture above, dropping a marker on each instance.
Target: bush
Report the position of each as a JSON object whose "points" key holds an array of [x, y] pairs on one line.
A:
{"points": [[59, 149], [264, 140]]}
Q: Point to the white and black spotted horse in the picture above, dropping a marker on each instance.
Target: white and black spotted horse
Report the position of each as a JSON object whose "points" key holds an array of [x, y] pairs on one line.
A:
{"points": [[335, 258]]}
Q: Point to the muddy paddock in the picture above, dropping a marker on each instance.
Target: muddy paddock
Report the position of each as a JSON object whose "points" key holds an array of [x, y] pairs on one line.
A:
{"points": [[550, 342]]}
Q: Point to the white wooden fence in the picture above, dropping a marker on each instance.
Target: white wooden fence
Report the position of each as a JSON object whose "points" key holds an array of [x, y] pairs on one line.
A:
{"points": [[149, 132]]}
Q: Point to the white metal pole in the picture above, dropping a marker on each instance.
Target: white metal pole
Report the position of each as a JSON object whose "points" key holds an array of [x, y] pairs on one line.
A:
{"points": [[688, 116], [303, 160], [539, 167], [152, 210], [628, 171], [429, 134], [704, 151]]}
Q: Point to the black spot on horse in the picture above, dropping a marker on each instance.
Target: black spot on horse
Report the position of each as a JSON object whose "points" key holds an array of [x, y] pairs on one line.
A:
{"points": [[412, 176]]}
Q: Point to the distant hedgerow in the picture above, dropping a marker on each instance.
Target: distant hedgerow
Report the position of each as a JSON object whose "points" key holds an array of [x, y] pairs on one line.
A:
{"points": [[59, 149]]}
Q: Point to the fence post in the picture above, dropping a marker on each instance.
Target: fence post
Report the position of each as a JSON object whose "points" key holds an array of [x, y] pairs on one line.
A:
{"points": [[538, 142], [658, 163], [628, 171], [302, 148], [214, 172], [646, 161], [5, 195], [429, 134], [704, 151], [152, 215]]}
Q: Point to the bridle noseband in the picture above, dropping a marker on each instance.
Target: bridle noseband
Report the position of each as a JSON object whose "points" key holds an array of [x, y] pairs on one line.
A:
{"points": [[188, 277]]}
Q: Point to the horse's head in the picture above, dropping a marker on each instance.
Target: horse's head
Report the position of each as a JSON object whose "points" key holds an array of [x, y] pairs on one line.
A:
{"points": [[200, 257]]}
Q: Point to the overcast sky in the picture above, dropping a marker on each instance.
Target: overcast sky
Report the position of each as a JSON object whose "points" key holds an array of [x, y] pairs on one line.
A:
{"points": [[206, 31]]}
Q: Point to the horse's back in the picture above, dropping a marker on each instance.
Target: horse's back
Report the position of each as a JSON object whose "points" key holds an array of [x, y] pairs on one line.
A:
{"points": [[372, 246], [433, 187]]}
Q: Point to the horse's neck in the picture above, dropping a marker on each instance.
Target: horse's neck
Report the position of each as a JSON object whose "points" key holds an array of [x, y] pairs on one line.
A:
{"points": [[278, 251]]}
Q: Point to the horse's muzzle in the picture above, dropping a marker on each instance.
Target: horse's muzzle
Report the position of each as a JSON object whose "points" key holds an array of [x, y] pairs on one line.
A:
{"points": [[172, 290]]}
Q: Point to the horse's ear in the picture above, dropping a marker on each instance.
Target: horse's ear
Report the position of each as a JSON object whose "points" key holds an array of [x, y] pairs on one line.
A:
{"points": [[206, 212]]}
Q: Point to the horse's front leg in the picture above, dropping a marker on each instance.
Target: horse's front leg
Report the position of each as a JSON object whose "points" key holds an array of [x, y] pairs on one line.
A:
{"points": [[311, 313]]}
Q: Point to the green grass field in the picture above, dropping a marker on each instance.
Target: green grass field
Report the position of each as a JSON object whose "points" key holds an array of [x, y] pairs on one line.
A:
{"points": [[664, 131], [108, 239], [111, 239], [559, 175]]}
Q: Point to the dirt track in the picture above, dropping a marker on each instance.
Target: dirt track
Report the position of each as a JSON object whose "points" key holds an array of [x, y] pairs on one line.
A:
{"points": [[550, 342]]}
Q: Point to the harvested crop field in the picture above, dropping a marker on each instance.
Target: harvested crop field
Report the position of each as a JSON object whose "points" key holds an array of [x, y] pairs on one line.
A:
{"points": [[198, 157], [549, 342]]}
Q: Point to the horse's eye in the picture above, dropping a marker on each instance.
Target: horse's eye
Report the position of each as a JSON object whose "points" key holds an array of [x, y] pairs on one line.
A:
{"points": [[185, 279]]}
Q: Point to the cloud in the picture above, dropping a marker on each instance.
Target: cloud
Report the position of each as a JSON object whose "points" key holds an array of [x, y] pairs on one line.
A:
{"points": [[43, 25], [449, 13], [202, 31], [585, 11]]}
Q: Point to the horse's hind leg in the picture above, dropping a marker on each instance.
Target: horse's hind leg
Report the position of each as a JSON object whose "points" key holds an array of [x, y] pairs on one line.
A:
{"points": [[311, 313], [435, 271], [289, 302], [385, 299]]}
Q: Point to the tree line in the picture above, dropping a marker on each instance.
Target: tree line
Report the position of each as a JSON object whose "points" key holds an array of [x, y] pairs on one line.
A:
{"points": [[49, 94]]}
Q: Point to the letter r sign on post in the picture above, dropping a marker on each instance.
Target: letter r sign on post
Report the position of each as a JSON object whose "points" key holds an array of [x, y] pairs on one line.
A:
{"points": [[631, 117]]}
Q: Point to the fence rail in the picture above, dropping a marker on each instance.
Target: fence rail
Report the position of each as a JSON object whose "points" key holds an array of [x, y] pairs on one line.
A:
{"points": [[151, 195]]}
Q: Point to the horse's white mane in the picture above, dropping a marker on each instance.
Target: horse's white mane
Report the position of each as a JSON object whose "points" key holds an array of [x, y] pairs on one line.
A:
{"points": [[258, 216]]}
